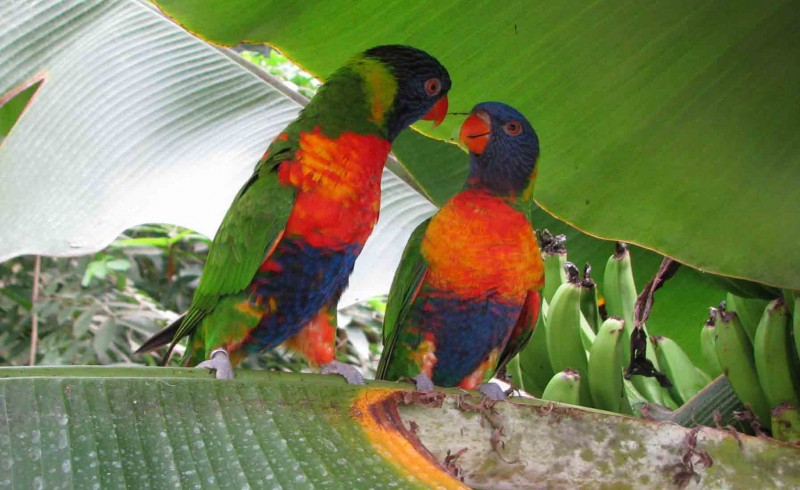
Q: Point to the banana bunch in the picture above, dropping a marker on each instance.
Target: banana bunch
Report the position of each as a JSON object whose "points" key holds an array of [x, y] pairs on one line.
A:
{"points": [[755, 344], [578, 353]]}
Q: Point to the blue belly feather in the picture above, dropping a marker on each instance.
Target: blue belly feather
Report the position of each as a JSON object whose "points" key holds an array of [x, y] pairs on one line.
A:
{"points": [[465, 331], [310, 278]]}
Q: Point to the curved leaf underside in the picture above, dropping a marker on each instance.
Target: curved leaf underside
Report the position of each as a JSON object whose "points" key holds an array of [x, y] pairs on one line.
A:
{"points": [[670, 125], [178, 428]]}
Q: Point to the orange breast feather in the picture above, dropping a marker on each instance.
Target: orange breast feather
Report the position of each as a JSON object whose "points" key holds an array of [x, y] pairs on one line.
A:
{"points": [[338, 184], [478, 243]]}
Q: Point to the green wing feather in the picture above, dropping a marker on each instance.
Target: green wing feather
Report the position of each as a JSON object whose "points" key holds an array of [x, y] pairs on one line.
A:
{"points": [[251, 227], [404, 289]]}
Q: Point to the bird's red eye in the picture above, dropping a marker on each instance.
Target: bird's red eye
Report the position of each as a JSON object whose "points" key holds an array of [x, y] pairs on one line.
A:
{"points": [[512, 128], [433, 86]]}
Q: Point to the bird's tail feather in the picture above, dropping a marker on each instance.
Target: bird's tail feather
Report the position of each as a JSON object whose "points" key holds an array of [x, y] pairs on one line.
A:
{"points": [[162, 338]]}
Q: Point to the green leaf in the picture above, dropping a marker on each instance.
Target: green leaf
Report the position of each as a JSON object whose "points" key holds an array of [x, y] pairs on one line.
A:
{"points": [[83, 427], [82, 323], [12, 105], [104, 337], [119, 265], [670, 125]]}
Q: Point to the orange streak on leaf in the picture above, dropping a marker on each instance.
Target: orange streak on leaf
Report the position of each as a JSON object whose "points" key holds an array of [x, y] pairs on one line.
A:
{"points": [[376, 411]]}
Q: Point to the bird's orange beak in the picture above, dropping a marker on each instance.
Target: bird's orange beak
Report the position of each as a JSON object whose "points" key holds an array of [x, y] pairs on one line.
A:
{"points": [[475, 132], [437, 112]]}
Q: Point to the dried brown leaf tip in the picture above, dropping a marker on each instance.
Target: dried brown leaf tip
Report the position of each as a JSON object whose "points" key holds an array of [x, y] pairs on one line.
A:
{"points": [[451, 466], [691, 457], [551, 244]]}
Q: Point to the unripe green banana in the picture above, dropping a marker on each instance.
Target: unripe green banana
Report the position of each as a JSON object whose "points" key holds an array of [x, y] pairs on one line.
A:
{"points": [[648, 386], [796, 325], [534, 361], [619, 290], [673, 361], [707, 335], [772, 351], [564, 344], [587, 334], [605, 368], [514, 373], [735, 354], [789, 296], [749, 311], [589, 299], [564, 387], [554, 255]]}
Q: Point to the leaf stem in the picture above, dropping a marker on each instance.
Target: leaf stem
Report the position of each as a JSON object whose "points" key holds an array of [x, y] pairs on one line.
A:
{"points": [[37, 266]]}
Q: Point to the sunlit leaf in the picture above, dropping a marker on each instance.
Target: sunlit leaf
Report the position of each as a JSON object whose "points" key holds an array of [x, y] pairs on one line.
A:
{"points": [[670, 124]]}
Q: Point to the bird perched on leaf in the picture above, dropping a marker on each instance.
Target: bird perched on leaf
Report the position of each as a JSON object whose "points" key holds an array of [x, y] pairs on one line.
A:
{"points": [[287, 245], [465, 298]]}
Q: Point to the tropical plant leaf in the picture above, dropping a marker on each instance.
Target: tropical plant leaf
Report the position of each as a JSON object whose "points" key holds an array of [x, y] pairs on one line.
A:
{"points": [[159, 427], [670, 125]]}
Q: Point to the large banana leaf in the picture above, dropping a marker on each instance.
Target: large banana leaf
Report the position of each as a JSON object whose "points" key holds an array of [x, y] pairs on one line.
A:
{"points": [[667, 124], [178, 428]]}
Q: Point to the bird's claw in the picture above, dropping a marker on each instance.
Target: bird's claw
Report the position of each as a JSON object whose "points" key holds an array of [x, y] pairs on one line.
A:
{"points": [[220, 363], [492, 391], [423, 382], [348, 372]]}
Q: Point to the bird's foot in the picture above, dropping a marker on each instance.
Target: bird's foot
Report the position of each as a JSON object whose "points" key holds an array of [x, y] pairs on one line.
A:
{"points": [[348, 372], [220, 363], [423, 382], [492, 391]]}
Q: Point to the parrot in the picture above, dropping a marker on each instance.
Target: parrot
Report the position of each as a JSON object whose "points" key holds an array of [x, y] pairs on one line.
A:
{"points": [[284, 251], [466, 295]]}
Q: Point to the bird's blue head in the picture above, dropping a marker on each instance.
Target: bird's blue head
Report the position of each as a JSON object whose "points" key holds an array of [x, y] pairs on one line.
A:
{"points": [[503, 150]]}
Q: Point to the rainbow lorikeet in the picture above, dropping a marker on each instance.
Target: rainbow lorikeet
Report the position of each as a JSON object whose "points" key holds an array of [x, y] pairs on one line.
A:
{"points": [[465, 298], [286, 247]]}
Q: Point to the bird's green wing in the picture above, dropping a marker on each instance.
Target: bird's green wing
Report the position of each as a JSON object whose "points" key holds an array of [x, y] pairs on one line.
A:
{"points": [[251, 228], [523, 330], [405, 286]]}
